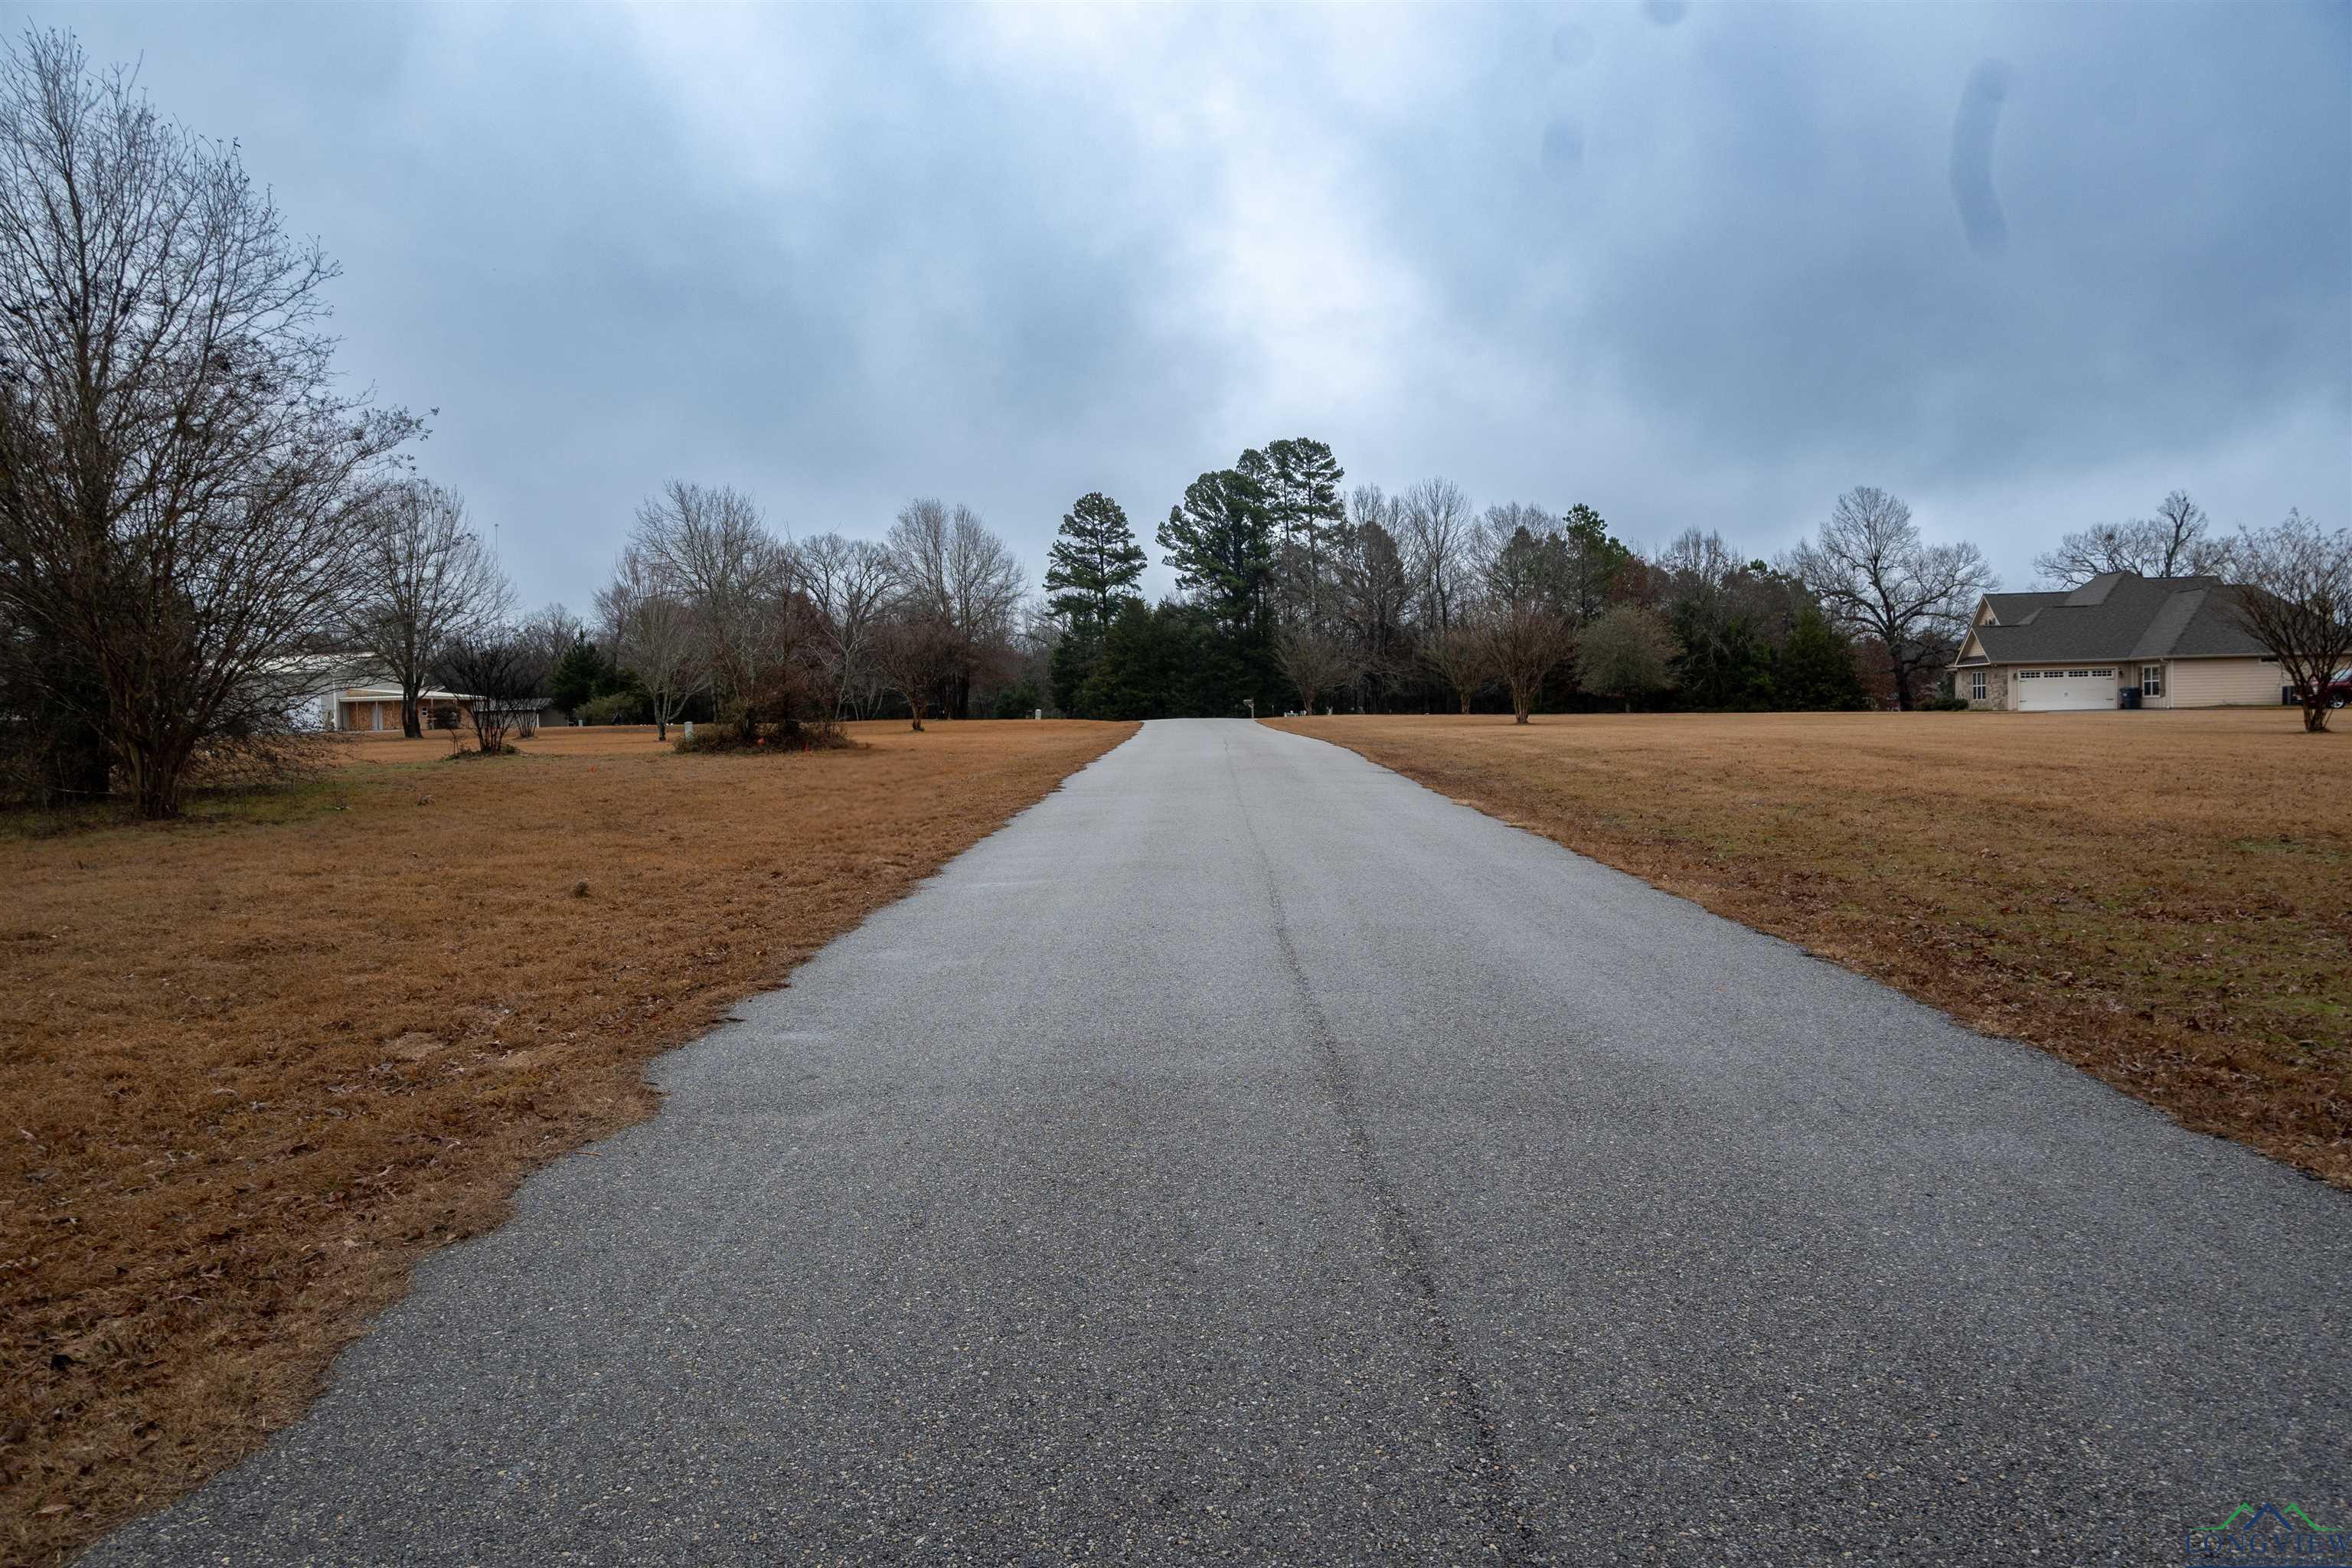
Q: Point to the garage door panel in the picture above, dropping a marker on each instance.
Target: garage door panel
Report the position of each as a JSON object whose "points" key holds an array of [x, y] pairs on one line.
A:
{"points": [[2057, 690]]}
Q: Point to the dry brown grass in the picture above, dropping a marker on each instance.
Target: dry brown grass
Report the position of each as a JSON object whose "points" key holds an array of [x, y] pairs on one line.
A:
{"points": [[2163, 899], [260, 1061]]}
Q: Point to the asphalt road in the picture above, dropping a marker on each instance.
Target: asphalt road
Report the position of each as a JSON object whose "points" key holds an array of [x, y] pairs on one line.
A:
{"points": [[1247, 1155]]}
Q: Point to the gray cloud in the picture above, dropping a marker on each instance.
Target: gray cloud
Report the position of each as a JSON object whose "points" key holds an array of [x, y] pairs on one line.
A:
{"points": [[1706, 273]]}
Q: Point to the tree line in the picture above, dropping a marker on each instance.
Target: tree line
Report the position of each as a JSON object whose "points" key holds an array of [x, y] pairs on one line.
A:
{"points": [[1297, 593], [197, 515]]}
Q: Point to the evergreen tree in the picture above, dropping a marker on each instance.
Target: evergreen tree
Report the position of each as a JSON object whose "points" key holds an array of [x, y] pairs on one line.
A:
{"points": [[1162, 663], [581, 675], [1095, 563], [1076, 658], [1722, 663], [1092, 575], [1592, 561], [1815, 669], [1221, 542], [1308, 515]]}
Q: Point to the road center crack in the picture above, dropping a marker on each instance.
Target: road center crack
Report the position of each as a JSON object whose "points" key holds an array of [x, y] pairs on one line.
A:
{"points": [[1509, 1534]]}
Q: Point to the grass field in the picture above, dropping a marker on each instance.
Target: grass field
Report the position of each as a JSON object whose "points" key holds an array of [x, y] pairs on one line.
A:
{"points": [[2164, 899], [259, 1061]]}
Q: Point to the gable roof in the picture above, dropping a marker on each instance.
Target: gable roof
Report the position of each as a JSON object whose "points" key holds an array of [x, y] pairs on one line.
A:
{"points": [[2115, 616], [2009, 608]]}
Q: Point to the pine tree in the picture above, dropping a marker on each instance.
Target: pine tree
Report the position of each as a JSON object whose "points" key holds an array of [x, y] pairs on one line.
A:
{"points": [[1302, 482], [1221, 542], [1095, 563], [581, 675], [1593, 559]]}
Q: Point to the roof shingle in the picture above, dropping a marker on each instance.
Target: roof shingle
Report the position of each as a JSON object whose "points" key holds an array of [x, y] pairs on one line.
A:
{"points": [[2115, 616]]}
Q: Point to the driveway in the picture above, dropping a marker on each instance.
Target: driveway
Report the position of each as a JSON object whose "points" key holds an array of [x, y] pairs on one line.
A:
{"points": [[1248, 1155]]}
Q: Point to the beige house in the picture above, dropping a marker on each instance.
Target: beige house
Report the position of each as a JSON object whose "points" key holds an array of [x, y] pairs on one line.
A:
{"points": [[374, 709], [353, 696], [2120, 640]]}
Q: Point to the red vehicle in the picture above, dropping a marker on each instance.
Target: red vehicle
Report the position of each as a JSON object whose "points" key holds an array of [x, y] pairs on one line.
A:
{"points": [[2339, 691]]}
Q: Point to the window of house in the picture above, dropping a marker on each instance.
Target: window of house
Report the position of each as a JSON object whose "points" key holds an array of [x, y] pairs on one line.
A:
{"points": [[1977, 686], [2028, 675], [2151, 681], [2103, 672], [2077, 674]]}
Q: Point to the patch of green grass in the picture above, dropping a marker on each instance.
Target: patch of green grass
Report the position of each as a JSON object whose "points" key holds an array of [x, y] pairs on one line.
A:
{"points": [[293, 800], [2283, 844]]}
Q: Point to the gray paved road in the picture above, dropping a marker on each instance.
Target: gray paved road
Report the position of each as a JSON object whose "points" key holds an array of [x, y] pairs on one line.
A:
{"points": [[1247, 1155]]}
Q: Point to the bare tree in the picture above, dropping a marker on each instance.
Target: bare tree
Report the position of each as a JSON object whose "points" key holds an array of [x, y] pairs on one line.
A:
{"points": [[500, 670], [916, 651], [554, 630], [1627, 653], [1375, 592], [2294, 597], [1494, 532], [1524, 635], [53, 744], [2178, 542], [951, 565], [1700, 562], [427, 577], [654, 635], [1460, 656], [850, 582], [1036, 641], [1521, 644], [1437, 541], [1874, 575], [738, 580], [184, 490], [1316, 662]]}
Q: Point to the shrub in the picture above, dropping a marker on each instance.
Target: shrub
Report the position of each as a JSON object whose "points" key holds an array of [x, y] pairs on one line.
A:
{"points": [[771, 740], [614, 708], [1944, 705]]}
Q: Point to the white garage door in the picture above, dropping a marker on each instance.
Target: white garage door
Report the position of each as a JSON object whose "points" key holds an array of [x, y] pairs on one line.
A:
{"points": [[2042, 691]]}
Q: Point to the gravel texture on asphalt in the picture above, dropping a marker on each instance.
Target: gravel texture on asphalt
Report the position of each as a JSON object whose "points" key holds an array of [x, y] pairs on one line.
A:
{"points": [[1247, 1155]]}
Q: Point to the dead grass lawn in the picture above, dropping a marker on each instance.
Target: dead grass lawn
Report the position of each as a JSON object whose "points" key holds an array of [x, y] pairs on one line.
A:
{"points": [[2163, 899], [260, 1061]]}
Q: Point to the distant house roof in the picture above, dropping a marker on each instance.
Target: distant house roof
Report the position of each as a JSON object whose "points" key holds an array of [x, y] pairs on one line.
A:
{"points": [[2115, 616], [2007, 609]]}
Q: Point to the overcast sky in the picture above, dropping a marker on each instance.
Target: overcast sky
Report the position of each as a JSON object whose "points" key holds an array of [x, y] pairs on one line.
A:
{"points": [[2029, 267]]}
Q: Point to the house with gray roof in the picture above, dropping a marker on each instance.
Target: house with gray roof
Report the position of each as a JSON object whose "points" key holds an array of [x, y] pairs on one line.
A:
{"points": [[2172, 642]]}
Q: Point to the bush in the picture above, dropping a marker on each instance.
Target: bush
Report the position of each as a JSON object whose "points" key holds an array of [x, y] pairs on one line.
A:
{"points": [[773, 740], [614, 708], [1944, 705]]}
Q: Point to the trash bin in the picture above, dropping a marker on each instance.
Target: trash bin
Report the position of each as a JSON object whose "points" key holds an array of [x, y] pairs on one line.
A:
{"points": [[2131, 696]]}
